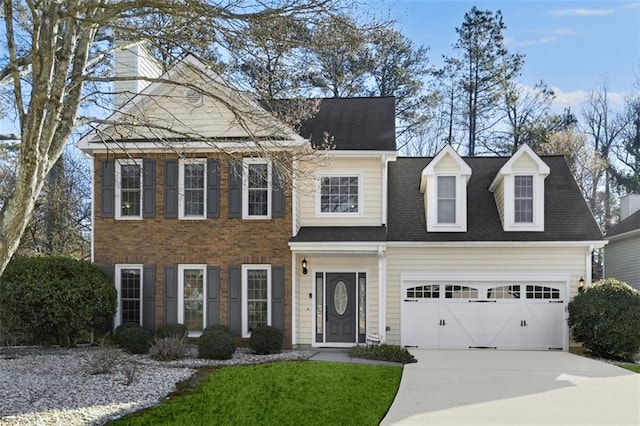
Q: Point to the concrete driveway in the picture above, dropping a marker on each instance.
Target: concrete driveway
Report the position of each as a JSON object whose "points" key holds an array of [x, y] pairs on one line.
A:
{"points": [[485, 387]]}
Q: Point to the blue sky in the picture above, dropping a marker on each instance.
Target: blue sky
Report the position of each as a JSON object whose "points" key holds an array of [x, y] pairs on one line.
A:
{"points": [[571, 45]]}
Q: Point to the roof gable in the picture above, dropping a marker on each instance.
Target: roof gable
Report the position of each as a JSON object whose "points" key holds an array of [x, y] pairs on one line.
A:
{"points": [[524, 160], [170, 108], [446, 161]]}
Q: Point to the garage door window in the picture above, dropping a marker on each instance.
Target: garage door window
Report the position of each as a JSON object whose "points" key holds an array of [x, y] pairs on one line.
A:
{"points": [[460, 292], [424, 292], [541, 292], [504, 292]]}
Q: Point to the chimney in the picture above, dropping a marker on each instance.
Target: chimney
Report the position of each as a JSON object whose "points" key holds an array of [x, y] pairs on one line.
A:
{"points": [[133, 60], [629, 204]]}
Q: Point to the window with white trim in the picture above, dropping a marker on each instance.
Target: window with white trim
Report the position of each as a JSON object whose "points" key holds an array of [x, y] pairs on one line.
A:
{"points": [[256, 189], [523, 199], [256, 297], [129, 288], [128, 189], [446, 199], [191, 296], [192, 196], [339, 194]]}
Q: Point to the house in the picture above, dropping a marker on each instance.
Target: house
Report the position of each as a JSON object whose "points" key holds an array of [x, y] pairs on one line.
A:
{"points": [[622, 253], [190, 217], [478, 252], [358, 245]]}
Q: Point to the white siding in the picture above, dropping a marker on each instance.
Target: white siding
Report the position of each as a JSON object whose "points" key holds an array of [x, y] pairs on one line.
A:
{"points": [[371, 197], [306, 286], [622, 260], [536, 261], [498, 195]]}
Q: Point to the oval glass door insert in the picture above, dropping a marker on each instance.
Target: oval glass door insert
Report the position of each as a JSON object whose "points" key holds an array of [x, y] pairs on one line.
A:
{"points": [[341, 298]]}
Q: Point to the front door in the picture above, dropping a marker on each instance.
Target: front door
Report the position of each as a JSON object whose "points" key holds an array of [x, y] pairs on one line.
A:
{"points": [[341, 308]]}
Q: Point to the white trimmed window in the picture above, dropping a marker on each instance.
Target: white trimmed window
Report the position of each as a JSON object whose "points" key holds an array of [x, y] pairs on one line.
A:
{"points": [[523, 199], [519, 191], [446, 199], [128, 189], [256, 189], [129, 287], [444, 185], [256, 297], [191, 296], [192, 198], [339, 194]]}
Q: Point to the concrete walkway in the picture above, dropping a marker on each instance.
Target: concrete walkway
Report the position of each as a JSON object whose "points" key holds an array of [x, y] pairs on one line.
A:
{"points": [[342, 355], [476, 387]]}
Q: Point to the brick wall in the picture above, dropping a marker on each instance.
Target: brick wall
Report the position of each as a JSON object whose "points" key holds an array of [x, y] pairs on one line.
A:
{"points": [[221, 242]]}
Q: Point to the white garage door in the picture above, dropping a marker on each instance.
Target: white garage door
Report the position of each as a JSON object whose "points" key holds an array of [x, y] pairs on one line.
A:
{"points": [[480, 315]]}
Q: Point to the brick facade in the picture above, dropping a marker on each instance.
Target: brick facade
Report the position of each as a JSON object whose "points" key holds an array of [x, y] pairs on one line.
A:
{"points": [[221, 242]]}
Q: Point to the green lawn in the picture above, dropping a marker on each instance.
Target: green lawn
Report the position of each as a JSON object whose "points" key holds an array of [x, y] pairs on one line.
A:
{"points": [[633, 367], [287, 393]]}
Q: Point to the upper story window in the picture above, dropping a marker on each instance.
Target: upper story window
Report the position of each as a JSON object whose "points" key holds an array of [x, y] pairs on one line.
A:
{"points": [[192, 191], [523, 199], [129, 189], [256, 194], [446, 199], [444, 185], [339, 195], [518, 189]]}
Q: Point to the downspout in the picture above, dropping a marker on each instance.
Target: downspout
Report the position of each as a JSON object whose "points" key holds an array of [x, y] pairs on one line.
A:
{"points": [[385, 170], [382, 293]]}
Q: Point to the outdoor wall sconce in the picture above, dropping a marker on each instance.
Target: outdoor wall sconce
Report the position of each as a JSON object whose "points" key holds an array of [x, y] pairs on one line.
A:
{"points": [[581, 287], [304, 266]]}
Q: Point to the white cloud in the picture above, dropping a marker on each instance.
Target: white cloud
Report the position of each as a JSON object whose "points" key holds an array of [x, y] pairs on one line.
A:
{"points": [[630, 6], [575, 100], [582, 12], [545, 37]]}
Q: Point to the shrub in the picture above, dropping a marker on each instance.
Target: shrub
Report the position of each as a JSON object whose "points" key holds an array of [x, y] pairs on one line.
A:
{"points": [[172, 330], [55, 299], [391, 353], [103, 360], [122, 327], [216, 345], [217, 327], [266, 340], [606, 319], [133, 338], [168, 348]]}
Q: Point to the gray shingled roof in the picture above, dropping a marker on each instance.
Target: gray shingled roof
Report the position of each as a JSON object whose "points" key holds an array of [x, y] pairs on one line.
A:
{"points": [[341, 234], [354, 123], [629, 224], [567, 216]]}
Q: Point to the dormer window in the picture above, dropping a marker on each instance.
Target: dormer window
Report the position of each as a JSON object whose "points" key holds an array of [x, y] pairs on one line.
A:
{"points": [[444, 185], [446, 199], [523, 199], [518, 189]]}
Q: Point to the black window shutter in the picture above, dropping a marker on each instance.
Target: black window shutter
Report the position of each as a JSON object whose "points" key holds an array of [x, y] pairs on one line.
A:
{"points": [[277, 297], [171, 188], [235, 189], [149, 188], [213, 295], [235, 300], [149, 298], [108, 188], [110, 271], [213, 188], [170, 294], [277, 194]]}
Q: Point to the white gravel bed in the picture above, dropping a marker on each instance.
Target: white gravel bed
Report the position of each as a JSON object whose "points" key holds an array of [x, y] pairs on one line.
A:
{"points": [[54, 386]]}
